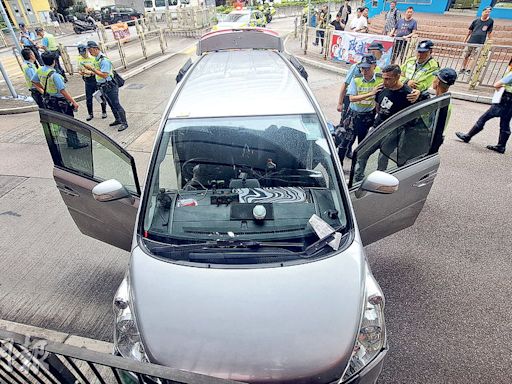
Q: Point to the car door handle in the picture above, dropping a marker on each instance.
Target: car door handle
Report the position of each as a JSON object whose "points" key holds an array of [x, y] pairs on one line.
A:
{"points": [[427, 179], [68, 191]]}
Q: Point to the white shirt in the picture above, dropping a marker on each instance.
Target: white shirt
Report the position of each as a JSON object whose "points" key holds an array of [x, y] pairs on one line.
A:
{"points": [[354, 22], [361, 23]]}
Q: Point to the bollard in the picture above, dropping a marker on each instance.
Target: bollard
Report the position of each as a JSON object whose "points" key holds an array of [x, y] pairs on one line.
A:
{"points": [[327, 33], [480, 64], [161, 36], [65, 59]]}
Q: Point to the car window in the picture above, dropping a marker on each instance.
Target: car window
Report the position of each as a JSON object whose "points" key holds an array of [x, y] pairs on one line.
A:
{"points": [[173, 2], [148, 3], [89, 155], [233, 17], [406, 143], [210, 173], [160, 3]]}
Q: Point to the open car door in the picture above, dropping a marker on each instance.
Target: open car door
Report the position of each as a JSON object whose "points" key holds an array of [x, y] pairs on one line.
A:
{"points": [[405, 146], [79, 168]]}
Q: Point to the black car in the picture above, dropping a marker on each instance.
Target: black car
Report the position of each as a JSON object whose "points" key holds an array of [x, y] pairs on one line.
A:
{"points": [[112, 14]]}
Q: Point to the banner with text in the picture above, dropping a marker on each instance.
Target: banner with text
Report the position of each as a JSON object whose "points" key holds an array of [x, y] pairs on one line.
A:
{"points": [[349, 47]]}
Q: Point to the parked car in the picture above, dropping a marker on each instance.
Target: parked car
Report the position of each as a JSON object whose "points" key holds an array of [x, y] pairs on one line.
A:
{"points": [[115, 13], [241, 19], [247, 258]]}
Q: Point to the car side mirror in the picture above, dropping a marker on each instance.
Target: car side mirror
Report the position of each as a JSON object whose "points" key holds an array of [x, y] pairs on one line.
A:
{"points": [[110, 190], [378, 182]]}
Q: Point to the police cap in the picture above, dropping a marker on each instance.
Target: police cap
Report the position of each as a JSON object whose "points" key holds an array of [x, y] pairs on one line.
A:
{"points": [[92, 44], [82, 48], [21, 25], [38, 29], [425, 46], [447, 76], [367, 61]]}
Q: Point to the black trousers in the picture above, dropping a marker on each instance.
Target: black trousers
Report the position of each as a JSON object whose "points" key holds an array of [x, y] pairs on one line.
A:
{"points": [[357, 125], [111, 92], [503, 110], [90, 87]]}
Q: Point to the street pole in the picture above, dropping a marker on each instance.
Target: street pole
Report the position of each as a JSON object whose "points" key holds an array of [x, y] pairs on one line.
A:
{"points": [[8, 81], [308, 23], [9, 25]]}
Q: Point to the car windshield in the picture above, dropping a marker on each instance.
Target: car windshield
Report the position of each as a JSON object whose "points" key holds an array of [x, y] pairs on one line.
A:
{"points": [[254, 179], [236, 17]]}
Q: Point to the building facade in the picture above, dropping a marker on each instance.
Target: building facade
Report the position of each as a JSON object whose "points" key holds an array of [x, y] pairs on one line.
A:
{"points": [[27, 11]]}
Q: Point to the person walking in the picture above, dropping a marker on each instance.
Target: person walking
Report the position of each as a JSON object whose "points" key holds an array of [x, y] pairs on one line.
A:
{"points": [[27, 39], [419, 72], [479, 31], [405, 29], [345, 11], [29, 70], [104, 72], [51, 84], [391, 18], [503, 110], [89, 79], [49, 44], [54, 18]]}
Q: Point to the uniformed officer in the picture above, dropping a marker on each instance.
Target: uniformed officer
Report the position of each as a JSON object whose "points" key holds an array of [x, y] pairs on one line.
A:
{"points": [[419, 72], [51, 85], [29, 70], [503, 110], [103, 70], [90, 82], [49, 44], [444, 79], [361, 92], [27, 39]]}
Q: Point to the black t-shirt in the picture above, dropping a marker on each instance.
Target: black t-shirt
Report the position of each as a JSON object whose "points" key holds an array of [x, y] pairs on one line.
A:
{"points": [[337, 25], [480, 29], [390, 102]]}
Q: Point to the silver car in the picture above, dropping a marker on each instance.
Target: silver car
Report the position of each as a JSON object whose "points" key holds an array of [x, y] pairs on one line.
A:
{"points": [[247, 258]]}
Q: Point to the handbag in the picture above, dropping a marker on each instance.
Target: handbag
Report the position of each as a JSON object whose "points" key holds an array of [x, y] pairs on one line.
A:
{"points": [[116, 77]]}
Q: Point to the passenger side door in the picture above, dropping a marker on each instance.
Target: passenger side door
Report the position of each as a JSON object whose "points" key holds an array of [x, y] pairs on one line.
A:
{"points": [[78, 171], [404, 146]]}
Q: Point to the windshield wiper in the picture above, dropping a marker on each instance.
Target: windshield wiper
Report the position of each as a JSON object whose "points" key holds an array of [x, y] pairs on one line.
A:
{"points": [[318, 245]]}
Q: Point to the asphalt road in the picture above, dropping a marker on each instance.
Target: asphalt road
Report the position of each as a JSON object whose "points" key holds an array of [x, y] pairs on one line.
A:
{"points": [[446, 279]]}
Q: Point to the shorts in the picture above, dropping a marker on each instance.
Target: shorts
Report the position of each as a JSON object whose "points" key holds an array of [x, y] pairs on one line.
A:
{"points": [[470, 51]]}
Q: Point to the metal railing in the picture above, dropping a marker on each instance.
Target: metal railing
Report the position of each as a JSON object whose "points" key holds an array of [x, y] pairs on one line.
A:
{"points": [[31, 360]]}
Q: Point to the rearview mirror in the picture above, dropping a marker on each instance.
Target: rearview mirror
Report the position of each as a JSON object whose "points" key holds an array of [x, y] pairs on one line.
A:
{"points": [[110, 190], [378, 182]]}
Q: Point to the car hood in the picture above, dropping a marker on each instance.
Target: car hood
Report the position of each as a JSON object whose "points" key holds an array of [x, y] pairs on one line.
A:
{"points": [[295, 323]]}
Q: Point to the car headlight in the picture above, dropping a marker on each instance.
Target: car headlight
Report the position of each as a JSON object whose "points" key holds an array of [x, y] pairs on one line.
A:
{"points": [[371, 338], [126, 335]]}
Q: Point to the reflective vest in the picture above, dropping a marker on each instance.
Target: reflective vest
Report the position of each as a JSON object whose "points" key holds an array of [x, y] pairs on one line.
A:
{"points": [[52, 43], [97, 63], [508, 87], [364, 86], [422, 74], [43, 72], [28, 80], [86, 60]]}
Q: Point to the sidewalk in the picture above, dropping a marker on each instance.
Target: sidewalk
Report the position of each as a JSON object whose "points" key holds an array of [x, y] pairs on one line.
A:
{"points": [[292, 46]]}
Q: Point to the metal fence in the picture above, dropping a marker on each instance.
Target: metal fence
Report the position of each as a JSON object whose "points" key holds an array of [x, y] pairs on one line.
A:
{"points": [[31, 360]]}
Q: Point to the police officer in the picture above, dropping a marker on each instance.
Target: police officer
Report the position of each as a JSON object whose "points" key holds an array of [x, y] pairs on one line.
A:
{"points": [[103, 70], [29, 70], [55, 97], [90, 82], [419, 72], [27, 40], [49, 44], [503, 110], [361, 92], [445, 78]]}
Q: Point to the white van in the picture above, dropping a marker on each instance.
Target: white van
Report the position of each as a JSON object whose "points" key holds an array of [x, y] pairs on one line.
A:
{"points": [[159, 6]]}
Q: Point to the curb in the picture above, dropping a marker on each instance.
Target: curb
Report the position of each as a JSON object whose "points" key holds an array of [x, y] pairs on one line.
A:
{"points": [[57, 337], [329, 67], [127, 75]]}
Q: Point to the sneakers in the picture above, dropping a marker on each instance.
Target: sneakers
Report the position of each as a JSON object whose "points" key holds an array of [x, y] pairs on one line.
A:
{"points": [[89, 118], [122, 127], [104, 115], [496, 148], [465, 138], [114, 123]]}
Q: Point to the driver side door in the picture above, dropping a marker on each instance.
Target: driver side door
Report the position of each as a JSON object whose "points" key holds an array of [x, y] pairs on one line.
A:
{"points": [[77, 171], [405, 146]]}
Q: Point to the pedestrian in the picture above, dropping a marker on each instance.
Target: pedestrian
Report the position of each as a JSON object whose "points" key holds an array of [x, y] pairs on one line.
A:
{"points": [[405, 29], [503, 110], [337, 24], [55, 97], [49, 44], [419, 72], [444, 79], [89, 79], [362, 22], [361, 92], [27, 39], [355, 20], [391, 19], [345, 11], [54, 18], [29, 70], [104, 71], [323, 18], [479, 31]]}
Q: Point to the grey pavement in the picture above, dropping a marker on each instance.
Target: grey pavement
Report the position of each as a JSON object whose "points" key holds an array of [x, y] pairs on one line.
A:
{"points": [[446, 279]]}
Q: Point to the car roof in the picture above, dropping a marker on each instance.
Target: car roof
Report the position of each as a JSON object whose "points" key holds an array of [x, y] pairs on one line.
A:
{"points": [[241, 83]]}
